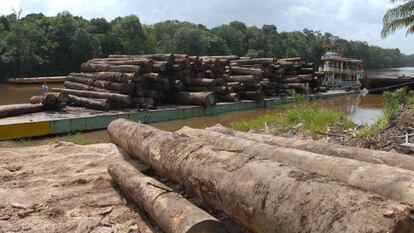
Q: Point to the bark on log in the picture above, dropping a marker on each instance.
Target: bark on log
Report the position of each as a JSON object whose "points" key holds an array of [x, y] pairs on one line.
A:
{"points": [[92, 103], [143, 102], [111, 76], [80, 86], [86, 67], [125, 99], [195, 98], [20, 109], [264, 196], [371, 156], [231, 97], [112, 86], [245, 71], [51, 100], [251, 95], [206, 82], [254, 61], [387, 181], [243, 78], [172, 212]]}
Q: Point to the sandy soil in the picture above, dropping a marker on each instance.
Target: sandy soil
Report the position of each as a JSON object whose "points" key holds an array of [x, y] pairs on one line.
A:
{"points": [[63, 187]]}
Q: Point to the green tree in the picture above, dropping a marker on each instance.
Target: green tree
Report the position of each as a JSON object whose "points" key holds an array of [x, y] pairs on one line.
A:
{"points": [[401, 16]]}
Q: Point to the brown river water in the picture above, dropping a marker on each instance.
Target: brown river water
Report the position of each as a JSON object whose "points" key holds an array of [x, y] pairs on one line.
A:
{"points": [[360, 109]]}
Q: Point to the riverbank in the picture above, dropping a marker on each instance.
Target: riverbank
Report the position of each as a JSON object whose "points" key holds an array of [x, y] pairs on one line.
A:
{"points": [[304, 121]]}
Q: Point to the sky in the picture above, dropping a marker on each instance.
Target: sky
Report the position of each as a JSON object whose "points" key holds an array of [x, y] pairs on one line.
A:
{"points": [[349, 19]]}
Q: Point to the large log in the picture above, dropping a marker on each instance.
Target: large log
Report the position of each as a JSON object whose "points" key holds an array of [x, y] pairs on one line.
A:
{"points": [[254, 61], [123, 88], [79, 86], [361, 154], [206, 82], [252, 95], [88, 67], [20, 109], [231, 97], [92, 103], [243, 78], [194, 98], [263, 195], [125, 99], [51, 100], [389, 182], [111, 76], [172, 212], [235, 70]]}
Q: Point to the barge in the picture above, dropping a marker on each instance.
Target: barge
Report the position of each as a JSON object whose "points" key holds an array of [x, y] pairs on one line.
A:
{"points": [[379, 85], [38, 80], [75, 119]]}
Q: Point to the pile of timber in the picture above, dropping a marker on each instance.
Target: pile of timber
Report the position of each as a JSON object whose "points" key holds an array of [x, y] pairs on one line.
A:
{"points": [[263, 183], [145, 81]]}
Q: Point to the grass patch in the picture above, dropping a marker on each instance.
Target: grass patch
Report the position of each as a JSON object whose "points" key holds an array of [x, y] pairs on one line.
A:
{"points": [[314, 120], [393, 101], [79, 139]]}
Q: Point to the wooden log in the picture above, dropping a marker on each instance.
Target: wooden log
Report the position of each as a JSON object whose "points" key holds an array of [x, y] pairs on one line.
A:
{"points": [[111, 76], [243, 78], [125, 99], [254, 61], [87, 67], [195, 98], [157, 95], [252, 95], [20, 109], [80, 86], [206, 82], [123, 88], [389, 182], [230, 97], [370, 156], [92, 103], [171, 211], [234, 86], [245, 71], [46, 100], [307, 70], [144, 102], [252, 86], [159, 66], [51, 100], [262, 195]]}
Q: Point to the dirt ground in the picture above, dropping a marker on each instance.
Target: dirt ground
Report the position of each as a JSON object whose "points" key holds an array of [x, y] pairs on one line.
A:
{"points": [[63, 188]]}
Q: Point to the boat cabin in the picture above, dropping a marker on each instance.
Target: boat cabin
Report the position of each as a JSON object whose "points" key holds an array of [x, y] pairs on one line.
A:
{"points": [[340, 72]]}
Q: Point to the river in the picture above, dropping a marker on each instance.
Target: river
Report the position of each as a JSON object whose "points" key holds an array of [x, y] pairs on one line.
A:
{"points": [[360, 109]]}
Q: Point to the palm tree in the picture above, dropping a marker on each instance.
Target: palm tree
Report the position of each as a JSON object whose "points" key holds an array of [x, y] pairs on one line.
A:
{"points": [[401, 16]]}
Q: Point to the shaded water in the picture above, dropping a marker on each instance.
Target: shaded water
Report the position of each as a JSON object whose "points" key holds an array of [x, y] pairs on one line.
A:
{"points": [[18, 94]]}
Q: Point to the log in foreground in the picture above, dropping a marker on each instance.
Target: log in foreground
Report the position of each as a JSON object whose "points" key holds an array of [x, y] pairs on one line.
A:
{"points": [[263, 195], [361, 154], [389, 182], [20, 109], [169, 209]]}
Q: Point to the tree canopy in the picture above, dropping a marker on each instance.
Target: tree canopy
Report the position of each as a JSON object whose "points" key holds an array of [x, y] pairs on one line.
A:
{"points": [[39, 45], [401, 16]]}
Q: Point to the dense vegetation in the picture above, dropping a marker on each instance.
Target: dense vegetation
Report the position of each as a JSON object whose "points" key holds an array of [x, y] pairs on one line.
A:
{"points": [[37, 45]]}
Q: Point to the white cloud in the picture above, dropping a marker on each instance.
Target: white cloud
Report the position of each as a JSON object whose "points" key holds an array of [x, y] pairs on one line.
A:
{"points": [[351, 19]]}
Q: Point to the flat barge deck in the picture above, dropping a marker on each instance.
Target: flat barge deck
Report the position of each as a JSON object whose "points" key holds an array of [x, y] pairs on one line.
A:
{"points": [[72, 119]]}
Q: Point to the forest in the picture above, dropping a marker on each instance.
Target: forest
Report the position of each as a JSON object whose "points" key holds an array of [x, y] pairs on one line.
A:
{"points": [[39, 45]]}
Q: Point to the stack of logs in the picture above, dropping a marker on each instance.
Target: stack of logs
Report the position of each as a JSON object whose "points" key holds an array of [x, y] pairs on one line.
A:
{"points": [[264, 183], [145, 81]]}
